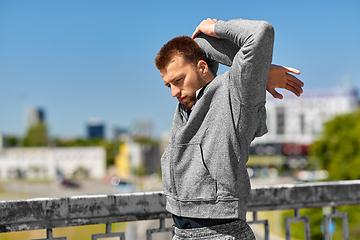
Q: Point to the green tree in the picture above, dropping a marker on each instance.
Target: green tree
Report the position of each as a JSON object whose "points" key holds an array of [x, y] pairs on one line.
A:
{"points": [[36, 136], [338, 149], [12, 141]]}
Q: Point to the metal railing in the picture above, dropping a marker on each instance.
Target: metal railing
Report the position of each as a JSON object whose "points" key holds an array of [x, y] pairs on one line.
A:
{"points": [[50, 213]]}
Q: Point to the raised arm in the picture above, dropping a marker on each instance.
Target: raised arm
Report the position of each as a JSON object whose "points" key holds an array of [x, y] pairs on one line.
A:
{"points": [[223, 51], [245, 46], [215, 49]]}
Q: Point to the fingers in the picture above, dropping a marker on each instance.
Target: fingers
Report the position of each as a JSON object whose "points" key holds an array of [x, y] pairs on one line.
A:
{"points": [[296, 85], [214, 20], [204, 27], [294, 79], [282, 77], [294, 89], [196, 32], [275, 94], [292, 70]]}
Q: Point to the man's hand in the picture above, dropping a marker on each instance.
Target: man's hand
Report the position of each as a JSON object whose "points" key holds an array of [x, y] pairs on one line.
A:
{"points": [[206, 27], [279, 77]]}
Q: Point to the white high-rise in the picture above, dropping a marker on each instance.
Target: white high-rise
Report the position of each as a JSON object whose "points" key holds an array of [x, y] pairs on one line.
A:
{"points": [[301, 119]]}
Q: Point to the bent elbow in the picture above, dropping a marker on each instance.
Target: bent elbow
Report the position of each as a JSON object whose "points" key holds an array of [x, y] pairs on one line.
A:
{"points": [[266, 31]]}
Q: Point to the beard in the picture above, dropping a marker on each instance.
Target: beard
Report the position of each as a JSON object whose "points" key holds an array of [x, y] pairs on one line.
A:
{"points": [[191, 99]]}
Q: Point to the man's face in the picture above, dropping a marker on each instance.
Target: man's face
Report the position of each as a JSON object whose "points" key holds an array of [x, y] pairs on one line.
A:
{"points": [[183, 79]]}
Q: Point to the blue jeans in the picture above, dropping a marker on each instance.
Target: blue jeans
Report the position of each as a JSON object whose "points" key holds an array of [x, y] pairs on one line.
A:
{"points": [[238, 230]]}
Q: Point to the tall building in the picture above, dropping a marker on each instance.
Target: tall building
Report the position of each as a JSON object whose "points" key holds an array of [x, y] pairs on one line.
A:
{"points": [[35, 116], [95, 129], [294, 123], [133, 156], [142, 128], [2, 142], [301, 119], [121, 133]]}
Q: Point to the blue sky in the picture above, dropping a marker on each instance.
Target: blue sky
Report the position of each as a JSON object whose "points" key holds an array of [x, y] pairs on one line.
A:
{"points": [[95, 59]]}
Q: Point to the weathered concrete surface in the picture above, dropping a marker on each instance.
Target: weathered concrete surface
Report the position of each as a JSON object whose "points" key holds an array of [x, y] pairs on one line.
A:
{"points": [[43, 213], [305, 195], [46, 213]]}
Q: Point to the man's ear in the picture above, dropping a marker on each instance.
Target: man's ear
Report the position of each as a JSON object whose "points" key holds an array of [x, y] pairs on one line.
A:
{"points": [[202, 67]]}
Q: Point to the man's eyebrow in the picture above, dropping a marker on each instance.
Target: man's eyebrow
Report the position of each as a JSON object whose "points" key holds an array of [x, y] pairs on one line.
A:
{"points": [[176, 77], [173, 79]]}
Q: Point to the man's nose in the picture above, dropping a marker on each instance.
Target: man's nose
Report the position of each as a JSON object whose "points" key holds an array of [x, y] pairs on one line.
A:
{"points": [[175, 91]]}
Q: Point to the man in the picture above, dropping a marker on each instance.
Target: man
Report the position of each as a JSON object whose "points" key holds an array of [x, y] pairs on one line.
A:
{"points": [[203, 168]]}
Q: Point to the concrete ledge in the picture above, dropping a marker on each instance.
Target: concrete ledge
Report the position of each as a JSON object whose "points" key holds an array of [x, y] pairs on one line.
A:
{"points": [[305, 195], [47, 213], [42, 213]]}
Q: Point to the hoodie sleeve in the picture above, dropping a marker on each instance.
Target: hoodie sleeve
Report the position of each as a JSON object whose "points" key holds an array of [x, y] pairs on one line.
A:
{"points": [[246, 47]]}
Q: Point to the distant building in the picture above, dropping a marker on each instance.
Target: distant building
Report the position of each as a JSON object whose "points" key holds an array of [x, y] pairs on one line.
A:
{"points": [[133, 155], [2, 142], [122, 162], [142, 128], [293, 124], [44, 163], [35, 116], [95, 129], [151, 158], [121, 134], [301, 119]]}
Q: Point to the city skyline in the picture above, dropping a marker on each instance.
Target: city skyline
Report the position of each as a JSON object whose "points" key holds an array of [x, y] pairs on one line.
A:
{"points": [[89, 59]]}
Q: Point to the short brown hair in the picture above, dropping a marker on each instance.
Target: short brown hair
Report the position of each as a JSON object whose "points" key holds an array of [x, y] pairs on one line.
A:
{"points": [[182, 45]]}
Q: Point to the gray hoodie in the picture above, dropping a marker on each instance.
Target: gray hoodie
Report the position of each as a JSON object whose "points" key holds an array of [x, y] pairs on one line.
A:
{"points": [[203, 167]]}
